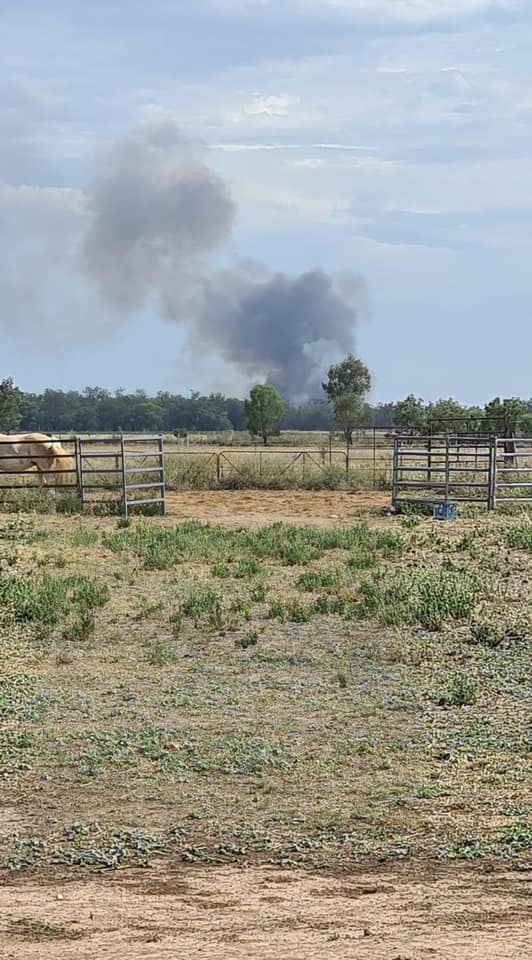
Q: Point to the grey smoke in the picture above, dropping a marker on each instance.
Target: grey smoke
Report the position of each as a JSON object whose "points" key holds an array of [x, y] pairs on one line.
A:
{"points": [[155, 209], [158, 213], [284, 328]]}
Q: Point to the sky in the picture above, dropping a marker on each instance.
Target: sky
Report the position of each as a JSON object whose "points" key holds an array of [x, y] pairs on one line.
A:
{"points": [[388, 138]]}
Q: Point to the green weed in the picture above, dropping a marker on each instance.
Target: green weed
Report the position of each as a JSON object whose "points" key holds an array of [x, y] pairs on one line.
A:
{"points": [[247, 569], [160, 654], [242, 607], [83, 538], [249, 639], [257, 593], [470, 848], [519, 536], [81, 627], [298, 613], [277, 611], [517, 838], [46, 599], [459, 691], [204, 606], [431, 791], [318, 580], [147, 608], [427, 599]]}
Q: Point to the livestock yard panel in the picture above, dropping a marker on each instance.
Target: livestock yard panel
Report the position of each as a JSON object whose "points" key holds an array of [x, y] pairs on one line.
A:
{"points": [[513, 471], [440, 469]]}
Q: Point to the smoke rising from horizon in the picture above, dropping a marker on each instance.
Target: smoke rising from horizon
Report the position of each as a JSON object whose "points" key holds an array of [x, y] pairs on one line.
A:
{"points": [[158, 215]]}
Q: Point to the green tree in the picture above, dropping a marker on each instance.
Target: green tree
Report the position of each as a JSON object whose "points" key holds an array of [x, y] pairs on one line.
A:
{"points": [[9, 406], [504, 417], [349, 413], [525, 425], [349, 376], [447, 417], [409, 415], [264, 411], [347, 385]]}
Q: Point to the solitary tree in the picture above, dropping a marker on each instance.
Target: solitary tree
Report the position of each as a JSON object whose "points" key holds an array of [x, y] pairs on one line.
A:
{"points": [[9, 406], [347, 385], [264, 411]]}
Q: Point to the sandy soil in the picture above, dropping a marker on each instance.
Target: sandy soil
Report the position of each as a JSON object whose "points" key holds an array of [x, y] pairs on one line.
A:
{"points": [[253, 507], [445, 913]]}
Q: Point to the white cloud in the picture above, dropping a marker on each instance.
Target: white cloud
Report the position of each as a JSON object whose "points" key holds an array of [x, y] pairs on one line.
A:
{"points": [[344, 146], [310, 163], [270, 106], [377, 12]]}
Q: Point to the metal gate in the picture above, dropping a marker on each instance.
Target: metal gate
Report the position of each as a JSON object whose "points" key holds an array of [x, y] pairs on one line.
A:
{"points": [[129, 469], [433, 470], [513, 471]]}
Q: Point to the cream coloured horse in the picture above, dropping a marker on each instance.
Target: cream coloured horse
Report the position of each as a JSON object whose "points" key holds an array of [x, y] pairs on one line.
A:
{"points": [[20, 452]]}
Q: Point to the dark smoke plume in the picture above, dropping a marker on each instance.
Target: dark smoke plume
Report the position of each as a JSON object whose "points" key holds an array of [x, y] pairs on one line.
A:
{"points": [[158, 212]]}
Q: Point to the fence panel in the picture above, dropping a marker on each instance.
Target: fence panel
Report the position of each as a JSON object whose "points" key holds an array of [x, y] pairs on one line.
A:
{"points": [[513, 482], [130, 469], [442, 469]]}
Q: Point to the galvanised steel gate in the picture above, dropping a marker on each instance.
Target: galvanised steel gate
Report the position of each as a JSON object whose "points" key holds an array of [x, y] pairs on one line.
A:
{"points": [[434, 470], [513, 470], [127, 468]]}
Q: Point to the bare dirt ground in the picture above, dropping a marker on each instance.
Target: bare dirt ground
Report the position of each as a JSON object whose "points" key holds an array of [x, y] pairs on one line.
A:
{"points": [[404, 913], [256, 507]]}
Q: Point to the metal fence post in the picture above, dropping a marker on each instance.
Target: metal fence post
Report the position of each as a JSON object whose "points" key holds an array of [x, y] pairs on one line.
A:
{"points": [[79, 452], [447, 468], [124, 477], [492, 474], [395, 473], [163, 476], [78, 467]]}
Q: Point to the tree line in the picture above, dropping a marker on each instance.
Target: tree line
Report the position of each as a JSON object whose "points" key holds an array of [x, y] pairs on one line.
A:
{"points": [[344, 407]]}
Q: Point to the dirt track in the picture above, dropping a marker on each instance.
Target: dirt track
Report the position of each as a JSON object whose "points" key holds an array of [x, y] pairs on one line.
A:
{"points": [[251, 507], [444, 913]]}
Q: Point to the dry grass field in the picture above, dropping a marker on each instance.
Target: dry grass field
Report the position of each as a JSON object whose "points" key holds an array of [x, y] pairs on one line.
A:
{"points": [[269, 723]]}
